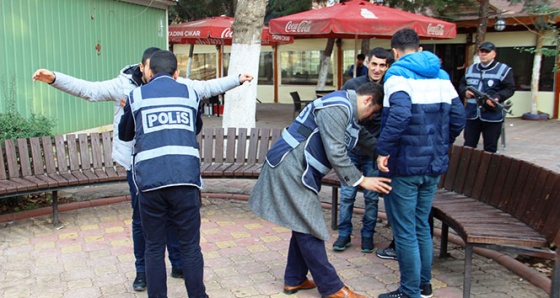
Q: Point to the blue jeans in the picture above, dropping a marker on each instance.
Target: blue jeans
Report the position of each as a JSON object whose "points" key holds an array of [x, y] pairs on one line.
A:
{"points": [[180, 204], [348, 197], [308, 254], [408, 208], [138, 241]]}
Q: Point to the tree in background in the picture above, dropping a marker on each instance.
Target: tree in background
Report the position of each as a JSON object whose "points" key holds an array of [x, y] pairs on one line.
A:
{"points": [[240, 103], [279, 8], [545, 22], [189, 10], [433, 8]]}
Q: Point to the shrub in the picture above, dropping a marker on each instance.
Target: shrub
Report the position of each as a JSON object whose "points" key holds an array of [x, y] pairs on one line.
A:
{"points": [[13, 125]]}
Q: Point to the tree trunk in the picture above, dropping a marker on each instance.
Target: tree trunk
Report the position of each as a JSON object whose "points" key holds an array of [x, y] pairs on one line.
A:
{"points": [[325, 64], [240, 103], [482, 25], [536, 74], [365, 46]]}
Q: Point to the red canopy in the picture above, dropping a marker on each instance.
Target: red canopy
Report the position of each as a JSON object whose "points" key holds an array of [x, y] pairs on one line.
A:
{"points": [[216, 31], [358, 18]]}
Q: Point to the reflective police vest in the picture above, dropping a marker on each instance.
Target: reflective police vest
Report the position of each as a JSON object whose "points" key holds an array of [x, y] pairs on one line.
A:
{"points": [[488, 81], [165, 150], [305, 129]]}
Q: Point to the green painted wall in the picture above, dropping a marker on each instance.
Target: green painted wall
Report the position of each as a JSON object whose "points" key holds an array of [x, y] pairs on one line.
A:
{"points": [[63, 35]]}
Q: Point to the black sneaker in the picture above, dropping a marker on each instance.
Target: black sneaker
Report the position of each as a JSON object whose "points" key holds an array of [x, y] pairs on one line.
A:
{"points": [[426, 291], [176, 272], [388, 253], [394, 294], [139, 283], [367, 245], [342, 243]]}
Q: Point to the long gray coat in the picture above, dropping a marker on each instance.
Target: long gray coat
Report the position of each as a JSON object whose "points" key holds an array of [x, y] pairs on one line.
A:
{"points": [[280, 196]]}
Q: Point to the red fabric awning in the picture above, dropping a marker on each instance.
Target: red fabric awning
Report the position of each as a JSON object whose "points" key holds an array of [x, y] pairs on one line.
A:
{"points": [[216, 31], [361, 19]]}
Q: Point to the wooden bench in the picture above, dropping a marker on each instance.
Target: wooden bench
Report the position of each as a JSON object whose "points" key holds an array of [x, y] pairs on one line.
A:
{"points": [[234, 153], [495, 202], [500, 203], [48, 164]]}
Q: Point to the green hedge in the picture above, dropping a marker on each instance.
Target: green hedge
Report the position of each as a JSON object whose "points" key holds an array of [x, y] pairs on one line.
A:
{"points": [[14, 126]]}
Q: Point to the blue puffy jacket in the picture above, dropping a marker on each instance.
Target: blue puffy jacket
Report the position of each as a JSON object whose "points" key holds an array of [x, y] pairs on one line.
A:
{"points": [[422, 116]]}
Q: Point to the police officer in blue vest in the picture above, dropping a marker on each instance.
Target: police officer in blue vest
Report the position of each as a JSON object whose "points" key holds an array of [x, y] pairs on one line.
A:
{"points": [[495, 79], [163, 119]]}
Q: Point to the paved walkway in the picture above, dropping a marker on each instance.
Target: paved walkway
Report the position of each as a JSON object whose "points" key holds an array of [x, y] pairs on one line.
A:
{"points": [[90, 253]]}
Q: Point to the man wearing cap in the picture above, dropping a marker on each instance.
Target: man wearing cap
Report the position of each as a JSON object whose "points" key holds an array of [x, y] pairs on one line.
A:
{"points": [[495, 79]]}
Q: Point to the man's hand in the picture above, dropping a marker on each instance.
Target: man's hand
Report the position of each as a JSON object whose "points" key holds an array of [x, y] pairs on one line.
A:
{"points": [[123, 102], [491, 103], [44, 75], [469, 94], [382, 162], [378, 184], [245, 78]]}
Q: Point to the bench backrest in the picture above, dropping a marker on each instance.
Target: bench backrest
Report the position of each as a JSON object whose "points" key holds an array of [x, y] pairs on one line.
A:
{"points": [[40, 155], [528, 192], [231, 145]]}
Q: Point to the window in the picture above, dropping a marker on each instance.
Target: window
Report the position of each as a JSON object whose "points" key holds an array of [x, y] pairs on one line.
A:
{"points": [[522, 64], [266, 67], [302, 68], [203, 66], [348, 59]]}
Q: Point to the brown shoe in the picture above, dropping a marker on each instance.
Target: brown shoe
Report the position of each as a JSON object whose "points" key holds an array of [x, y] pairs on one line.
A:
{"points": [[306, 285], [345, 292]]}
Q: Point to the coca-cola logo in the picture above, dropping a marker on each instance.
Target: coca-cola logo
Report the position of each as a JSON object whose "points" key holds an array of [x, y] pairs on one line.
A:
{"points": [[227, 33], [301, 27], [436, 30]]}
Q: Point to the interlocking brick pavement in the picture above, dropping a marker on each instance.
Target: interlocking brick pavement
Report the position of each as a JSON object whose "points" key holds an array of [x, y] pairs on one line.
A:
{"points": [[91, 256]]}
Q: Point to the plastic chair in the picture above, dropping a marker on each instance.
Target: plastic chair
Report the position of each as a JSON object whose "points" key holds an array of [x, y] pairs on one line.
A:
{"points": [[298, 103]]}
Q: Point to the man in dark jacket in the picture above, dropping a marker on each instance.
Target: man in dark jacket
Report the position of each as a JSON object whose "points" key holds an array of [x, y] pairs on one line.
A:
{"points": [[495, 79], [377, 62]]}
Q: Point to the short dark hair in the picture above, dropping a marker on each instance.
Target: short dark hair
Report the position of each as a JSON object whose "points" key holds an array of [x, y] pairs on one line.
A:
{"points": [[163, 61], [380, 53], [361, 57], [373, 89], [148, 53], [405, 39]]}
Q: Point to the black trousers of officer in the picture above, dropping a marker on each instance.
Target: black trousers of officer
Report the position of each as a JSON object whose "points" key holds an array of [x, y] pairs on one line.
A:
{"points": [[490, 134], [181, 205]]}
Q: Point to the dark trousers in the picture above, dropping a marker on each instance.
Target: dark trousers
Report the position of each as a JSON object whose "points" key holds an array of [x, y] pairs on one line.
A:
{"points": [[308, 254], [138, 241], [490, 133], [181, 205]]}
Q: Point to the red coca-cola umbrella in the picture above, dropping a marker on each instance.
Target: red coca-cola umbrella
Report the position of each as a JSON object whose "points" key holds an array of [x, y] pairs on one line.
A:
{"points": [[358, 19], [216, 31], [361, 19]]}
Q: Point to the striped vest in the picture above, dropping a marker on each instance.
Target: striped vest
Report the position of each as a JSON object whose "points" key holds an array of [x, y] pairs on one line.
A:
{"points": [[488, 81], [305, 129], [165, 150]]}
